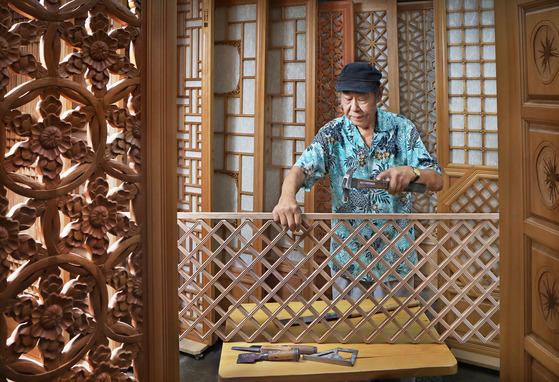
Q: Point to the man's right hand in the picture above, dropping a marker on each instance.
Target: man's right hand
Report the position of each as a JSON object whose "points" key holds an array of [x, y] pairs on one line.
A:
{"points": [[288, 214]]}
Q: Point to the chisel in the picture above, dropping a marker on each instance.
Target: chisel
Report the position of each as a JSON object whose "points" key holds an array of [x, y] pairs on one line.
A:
{"points": [[303, 349], [285, 355]]}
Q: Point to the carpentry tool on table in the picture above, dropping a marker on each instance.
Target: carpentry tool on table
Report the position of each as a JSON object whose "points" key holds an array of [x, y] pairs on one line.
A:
{"points": [[349, 182], [332, 356], [284, 355], [303, 349]]}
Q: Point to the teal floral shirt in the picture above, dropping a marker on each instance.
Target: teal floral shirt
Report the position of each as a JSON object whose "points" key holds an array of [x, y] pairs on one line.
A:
{"points": [[338, 146]]}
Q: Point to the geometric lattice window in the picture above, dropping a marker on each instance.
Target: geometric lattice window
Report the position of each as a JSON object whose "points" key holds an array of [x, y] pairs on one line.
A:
{"points": [[472, 82]]}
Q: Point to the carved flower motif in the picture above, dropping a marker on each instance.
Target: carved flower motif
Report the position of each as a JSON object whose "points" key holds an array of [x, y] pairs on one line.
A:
{"points": [[76, 374], [20, 155], [107, 372], [52, 318], [9, 231], [27, 247], [27, 65], [99, 217], [21, 123], [22, 341], [20, 308], [51, 137], [83, 323], [127, 298], [99, 50], [51, 349], [9, 47], [50, 169]]}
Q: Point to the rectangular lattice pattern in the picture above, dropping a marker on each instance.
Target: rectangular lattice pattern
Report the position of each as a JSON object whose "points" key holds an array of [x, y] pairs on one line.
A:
{"points": [[455, 282], [472, 82], [189, 105]]}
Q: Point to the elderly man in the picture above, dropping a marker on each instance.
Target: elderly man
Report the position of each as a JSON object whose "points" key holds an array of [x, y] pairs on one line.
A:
{"points": [[383, 146]]}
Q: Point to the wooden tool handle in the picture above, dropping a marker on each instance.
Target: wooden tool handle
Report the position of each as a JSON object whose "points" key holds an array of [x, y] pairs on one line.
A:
{"points": [[303, 349], [283, 355]]}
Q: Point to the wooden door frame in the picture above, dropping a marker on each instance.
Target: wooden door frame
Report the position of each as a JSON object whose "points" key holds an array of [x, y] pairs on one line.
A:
{"points": [[160, 252]]}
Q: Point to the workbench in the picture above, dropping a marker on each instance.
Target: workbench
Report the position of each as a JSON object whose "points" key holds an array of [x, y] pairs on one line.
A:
{"points": [[374, 361]]}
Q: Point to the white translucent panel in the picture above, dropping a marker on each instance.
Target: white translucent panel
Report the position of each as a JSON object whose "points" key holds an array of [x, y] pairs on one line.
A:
{"points": [[454, 19], [249, 68], [473, 87], [456, 87], [224, 201], [488, 52], [300, 145], [492, 158], [454, 36], [273, 79], [234, 105], [218, 158], [488, 35], [235, 32], [240, 125], [472, 53], [294, 71], [273, 188], [489, 69], [473, 69], [457, 121], [276, 130], [474, 140], [219, 113], [457, 156], [247, 176], [487, 18], [487, 3], [288, 88], [249, 41], [471, 19], [453, 5], [473, 104], [295, 12], [240, 144], [249, 95], [455, 70], [470, 4], [457, 138], [220, 32], [282, 109], [475, 157], [288, 54], [301, 25], [232, 162], [291, 131], [282, 152], [243, 12], [300, 116], [471, 35], [282, 33], [474, 121], [301, 47], [227, 66], [491, 141], [490, 122], [247, 204], [456, 104], [490, 87], [300, 95], [455, 53]]}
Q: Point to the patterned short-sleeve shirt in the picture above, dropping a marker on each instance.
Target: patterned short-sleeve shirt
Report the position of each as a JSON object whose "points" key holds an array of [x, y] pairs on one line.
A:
{"points": [[338, 146]]}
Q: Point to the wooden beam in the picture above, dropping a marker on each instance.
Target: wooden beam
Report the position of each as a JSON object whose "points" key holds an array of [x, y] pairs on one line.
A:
{"points": [[159, 360]]}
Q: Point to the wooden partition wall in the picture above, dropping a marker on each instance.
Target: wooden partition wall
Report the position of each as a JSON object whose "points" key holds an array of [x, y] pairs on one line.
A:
{"points": [[260, 112]]}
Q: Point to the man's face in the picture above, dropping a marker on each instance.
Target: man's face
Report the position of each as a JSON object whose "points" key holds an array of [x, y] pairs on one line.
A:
{"points": [[360, 108]]}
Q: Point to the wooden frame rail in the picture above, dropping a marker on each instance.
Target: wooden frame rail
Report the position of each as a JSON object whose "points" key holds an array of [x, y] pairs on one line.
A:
{"points": [[452, 295]]}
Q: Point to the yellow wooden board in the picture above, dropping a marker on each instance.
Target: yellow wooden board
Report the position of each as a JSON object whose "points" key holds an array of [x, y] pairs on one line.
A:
{"points": [[373, 361]]}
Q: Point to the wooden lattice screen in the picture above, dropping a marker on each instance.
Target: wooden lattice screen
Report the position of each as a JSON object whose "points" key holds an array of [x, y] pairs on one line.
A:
{"points": [[460, 255], [71, 286]]}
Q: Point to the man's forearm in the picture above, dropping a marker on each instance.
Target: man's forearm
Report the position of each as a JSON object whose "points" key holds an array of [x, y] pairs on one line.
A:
{"points": [[432, 179], [292, 183]]}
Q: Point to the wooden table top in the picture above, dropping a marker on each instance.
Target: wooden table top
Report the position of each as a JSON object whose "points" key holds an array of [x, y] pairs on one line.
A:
{"points": [[373, 361]]}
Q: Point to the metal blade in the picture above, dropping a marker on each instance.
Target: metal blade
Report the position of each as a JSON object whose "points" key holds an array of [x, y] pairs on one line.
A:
{"points": [[251, 348], [248, 357]]}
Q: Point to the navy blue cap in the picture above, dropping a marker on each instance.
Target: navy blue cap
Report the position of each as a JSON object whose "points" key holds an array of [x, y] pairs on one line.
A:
{"points": [[360, 77]]}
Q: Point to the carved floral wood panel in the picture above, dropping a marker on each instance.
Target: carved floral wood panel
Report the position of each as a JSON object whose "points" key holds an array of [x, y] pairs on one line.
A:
{"points": [[76, 166]]}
